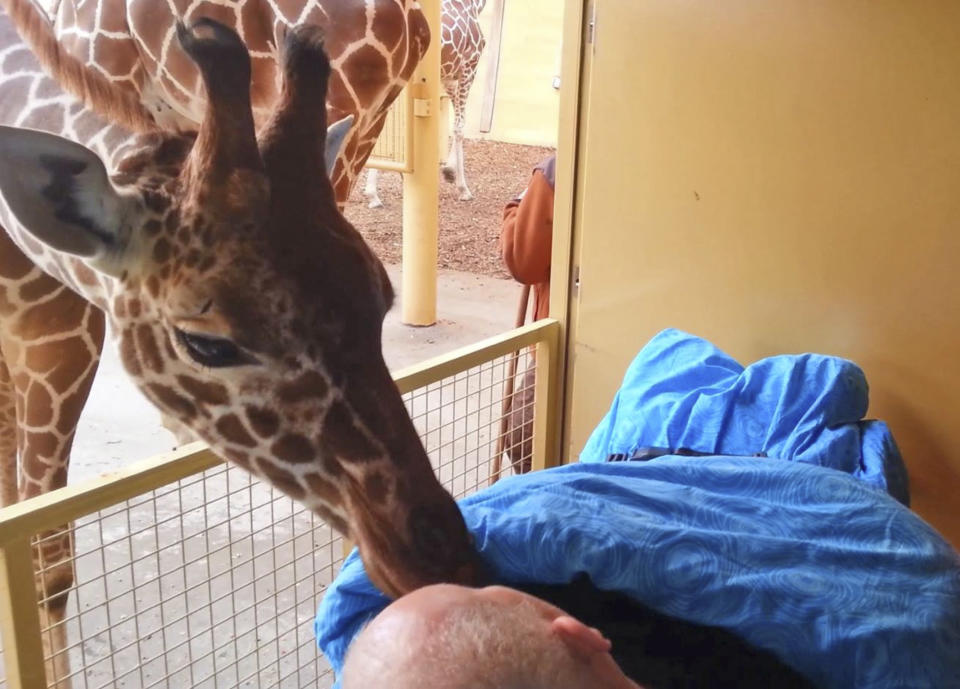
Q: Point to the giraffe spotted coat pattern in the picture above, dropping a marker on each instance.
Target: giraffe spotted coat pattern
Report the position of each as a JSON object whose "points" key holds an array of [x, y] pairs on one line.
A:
{"points": [[461, 46]]}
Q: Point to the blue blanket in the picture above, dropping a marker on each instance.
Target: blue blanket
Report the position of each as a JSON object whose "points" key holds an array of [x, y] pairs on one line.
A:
{"points": [[683, 392], [809, 558]]}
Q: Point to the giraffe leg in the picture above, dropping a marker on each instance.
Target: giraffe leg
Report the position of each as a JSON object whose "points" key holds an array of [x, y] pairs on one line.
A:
{"points": [[464, 90], [55, 574], [51, 349], [9, 472], [370, 189], [454, 171], [460, 173], [450, 166]]}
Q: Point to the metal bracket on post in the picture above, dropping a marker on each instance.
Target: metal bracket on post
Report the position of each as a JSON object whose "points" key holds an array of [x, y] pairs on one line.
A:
{"points": [[421, 107]]}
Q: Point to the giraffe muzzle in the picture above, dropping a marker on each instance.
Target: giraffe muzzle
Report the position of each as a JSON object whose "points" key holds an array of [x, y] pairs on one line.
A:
{"points": [[431, 546]]}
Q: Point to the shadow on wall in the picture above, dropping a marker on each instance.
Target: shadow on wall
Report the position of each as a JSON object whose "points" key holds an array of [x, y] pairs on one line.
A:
{"points": [[927, 460]]}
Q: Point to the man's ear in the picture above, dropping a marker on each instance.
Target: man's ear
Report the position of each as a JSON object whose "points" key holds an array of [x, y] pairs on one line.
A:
{"points": [[592, 648], [59, 191], [582, 640]]}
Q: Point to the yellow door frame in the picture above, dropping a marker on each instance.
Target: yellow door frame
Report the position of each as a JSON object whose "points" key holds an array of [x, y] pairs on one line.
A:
{"points": [[574, 70]]}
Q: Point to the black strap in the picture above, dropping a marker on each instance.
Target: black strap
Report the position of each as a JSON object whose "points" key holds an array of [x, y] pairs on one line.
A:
{"points": [[645, 454]]}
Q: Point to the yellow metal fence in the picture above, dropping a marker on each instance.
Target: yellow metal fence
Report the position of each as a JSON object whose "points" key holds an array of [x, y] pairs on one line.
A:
{"points": [[394, 148], [190, 573]]}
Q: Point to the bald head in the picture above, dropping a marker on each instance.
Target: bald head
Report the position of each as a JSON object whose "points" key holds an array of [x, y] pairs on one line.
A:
{"points": [[451, 637]]}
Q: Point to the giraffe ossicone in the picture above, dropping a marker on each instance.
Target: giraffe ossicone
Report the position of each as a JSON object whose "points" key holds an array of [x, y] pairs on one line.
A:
{"points": [[244, 304]]}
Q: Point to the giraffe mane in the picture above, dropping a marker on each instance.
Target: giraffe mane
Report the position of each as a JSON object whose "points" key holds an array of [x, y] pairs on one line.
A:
{"points": [[117, 104]]}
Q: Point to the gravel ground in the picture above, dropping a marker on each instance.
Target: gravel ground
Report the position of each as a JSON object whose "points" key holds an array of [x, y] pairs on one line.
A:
{"points": [[469, 230]]}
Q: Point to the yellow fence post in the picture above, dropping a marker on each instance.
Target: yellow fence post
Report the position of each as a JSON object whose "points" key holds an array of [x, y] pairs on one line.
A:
{"points": [[421, 211], [20, 618], [545, 401]]}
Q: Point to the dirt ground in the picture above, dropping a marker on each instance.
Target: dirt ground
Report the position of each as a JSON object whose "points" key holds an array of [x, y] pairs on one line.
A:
{"points": [[469, 230]]}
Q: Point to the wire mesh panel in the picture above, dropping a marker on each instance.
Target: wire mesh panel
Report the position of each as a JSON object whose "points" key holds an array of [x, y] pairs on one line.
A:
{"points": [[461, 421], [212, 581], [209, 582]]}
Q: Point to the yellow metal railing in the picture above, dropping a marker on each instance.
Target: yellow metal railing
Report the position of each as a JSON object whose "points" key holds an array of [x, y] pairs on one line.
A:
{"points": [[455, 403], [393, 151]]}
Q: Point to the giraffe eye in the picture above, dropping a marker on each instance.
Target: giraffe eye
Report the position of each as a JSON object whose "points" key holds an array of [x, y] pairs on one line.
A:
{"points": [[213, 352]]}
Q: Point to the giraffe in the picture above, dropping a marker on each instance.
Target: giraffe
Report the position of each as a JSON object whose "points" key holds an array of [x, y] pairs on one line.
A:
{"points": [[461, 46], [373, 51], [244, 305]]}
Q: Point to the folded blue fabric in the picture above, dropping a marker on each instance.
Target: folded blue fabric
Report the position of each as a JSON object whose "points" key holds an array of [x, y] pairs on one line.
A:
{"points": [[842, 582], [683, 392]]}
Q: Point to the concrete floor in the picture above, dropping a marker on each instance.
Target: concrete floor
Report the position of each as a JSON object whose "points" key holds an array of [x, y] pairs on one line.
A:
{"points": [[119, 425]]}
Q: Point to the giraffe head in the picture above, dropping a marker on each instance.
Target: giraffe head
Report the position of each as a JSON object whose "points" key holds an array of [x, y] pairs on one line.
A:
{"points": [[247, 307]]}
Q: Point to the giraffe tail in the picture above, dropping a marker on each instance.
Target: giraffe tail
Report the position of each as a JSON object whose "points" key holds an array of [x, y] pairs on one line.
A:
{"points": [[119, 105]]}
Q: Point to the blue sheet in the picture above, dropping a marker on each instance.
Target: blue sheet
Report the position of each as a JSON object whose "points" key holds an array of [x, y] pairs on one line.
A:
{"points": [[808, 558], [683, 392]]}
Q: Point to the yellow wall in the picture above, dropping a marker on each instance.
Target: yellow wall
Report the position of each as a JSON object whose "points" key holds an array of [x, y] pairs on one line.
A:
{"points": [[778, 177], [527, 105]]}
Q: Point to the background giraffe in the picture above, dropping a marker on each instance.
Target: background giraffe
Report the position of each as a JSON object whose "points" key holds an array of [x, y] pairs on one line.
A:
{"points": [[461, 46], [244, 304], [374, 46]]}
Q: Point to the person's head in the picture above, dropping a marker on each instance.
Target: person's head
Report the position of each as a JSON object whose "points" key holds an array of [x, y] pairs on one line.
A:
{"points": [[452, 637]]}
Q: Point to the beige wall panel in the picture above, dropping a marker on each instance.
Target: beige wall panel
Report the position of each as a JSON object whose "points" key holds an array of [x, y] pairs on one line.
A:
{"points": [[527, 104], [779, 177]]}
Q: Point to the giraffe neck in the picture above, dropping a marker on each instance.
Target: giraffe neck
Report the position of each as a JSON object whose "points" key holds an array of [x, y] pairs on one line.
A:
{"points": [[32, 100]]}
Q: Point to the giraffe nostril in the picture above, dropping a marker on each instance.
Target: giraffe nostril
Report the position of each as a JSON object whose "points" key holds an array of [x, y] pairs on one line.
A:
{"points": [[427, 533], [444, 549], [433, 534]]}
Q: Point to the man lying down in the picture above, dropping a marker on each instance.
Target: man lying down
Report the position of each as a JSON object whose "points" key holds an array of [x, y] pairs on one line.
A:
{"points": [[788, 557]]}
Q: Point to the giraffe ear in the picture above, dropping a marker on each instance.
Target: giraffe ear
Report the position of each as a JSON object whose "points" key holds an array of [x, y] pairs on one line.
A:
{"points": [[59, 191], [336, 135]]}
